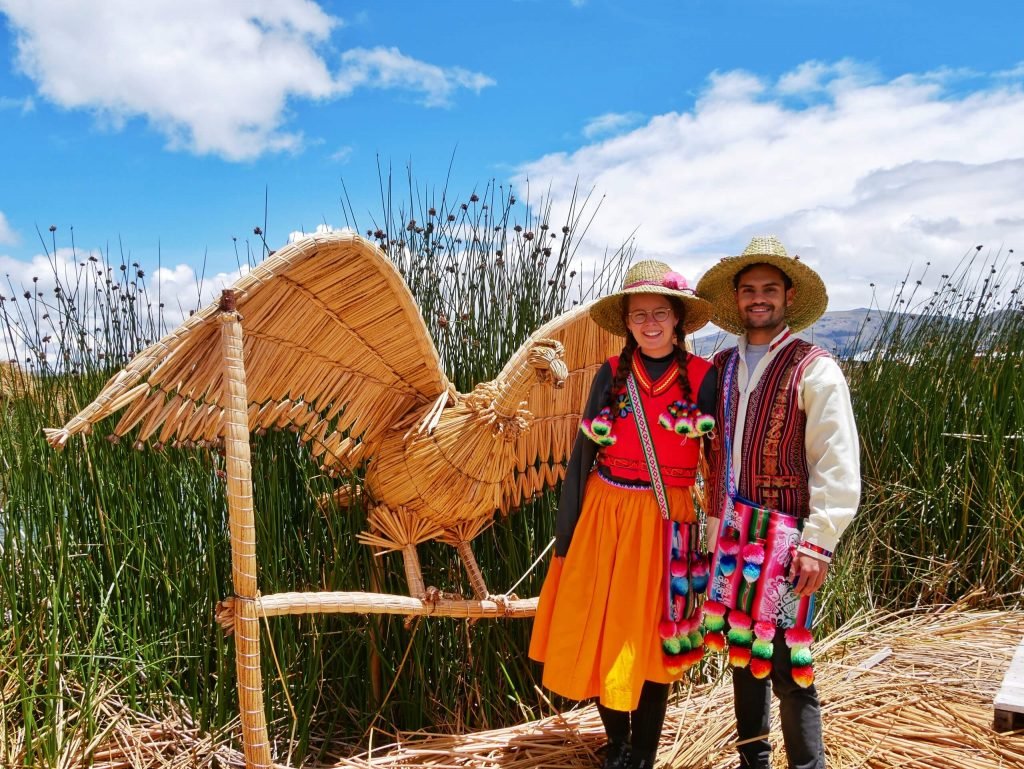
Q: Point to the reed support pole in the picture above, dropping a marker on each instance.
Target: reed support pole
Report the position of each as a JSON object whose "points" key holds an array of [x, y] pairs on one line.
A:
{"points": [[476, 577], [413, 571], [242, 526]]}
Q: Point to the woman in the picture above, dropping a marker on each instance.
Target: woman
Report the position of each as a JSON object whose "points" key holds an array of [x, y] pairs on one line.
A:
{"points": [[617, 617]]}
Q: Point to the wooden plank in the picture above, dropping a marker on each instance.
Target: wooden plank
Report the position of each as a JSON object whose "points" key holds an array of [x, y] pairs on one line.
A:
{"points": [[1009, 702], [875, 659]]}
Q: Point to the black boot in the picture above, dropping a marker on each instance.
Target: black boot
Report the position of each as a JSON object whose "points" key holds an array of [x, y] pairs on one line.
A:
{"points": [[638, 761], [616, 756]]}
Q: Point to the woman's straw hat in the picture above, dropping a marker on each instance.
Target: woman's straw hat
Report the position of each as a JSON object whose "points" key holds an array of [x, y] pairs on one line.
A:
{"points": [[650, 277], [809, 301]]}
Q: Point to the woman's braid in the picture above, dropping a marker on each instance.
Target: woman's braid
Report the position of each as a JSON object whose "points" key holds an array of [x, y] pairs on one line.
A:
{"points": [[621, 373], [682, 356]]}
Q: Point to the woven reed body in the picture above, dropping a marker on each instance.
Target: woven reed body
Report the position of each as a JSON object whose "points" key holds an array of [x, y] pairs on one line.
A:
{"points": [[451, 475], [324, 338], [444, 478]]}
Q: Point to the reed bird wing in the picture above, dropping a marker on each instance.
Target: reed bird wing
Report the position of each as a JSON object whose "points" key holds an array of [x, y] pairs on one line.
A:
{"points": [[542, 450], [333, 345]]}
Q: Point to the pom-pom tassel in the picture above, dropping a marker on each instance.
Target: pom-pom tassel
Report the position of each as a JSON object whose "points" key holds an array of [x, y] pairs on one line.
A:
{"points": [[729, 545], [753, 557], [694, 656], [740, 637], [696, 638], [739, 656], [714, 641], [753, 553], [729, 548], [759, 667], [761, 649], [714, 624], [684, 649], [803, 676], [680, 585], [685, 427], [698, 572], [798, 639], [599, 429], [714, 616]]}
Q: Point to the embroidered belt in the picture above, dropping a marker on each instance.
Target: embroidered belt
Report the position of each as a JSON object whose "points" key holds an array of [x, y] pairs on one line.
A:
{"points": [[621, 483], [621, 463]]}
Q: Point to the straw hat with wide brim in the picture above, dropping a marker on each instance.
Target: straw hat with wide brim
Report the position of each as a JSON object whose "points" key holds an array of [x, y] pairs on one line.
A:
{"points": [[810, 297], [651, 277]]}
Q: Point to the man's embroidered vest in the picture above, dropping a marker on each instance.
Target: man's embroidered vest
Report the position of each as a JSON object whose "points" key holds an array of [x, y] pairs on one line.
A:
{"points": [[677, 456], [774, 470]]}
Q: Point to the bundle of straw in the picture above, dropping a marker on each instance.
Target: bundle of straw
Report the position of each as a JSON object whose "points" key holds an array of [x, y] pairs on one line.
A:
{"points": [[897, 690], [904, 689]]}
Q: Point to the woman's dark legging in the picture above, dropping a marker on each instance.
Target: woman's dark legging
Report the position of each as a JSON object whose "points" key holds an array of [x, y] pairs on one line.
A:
{"points": [[641, 727]]}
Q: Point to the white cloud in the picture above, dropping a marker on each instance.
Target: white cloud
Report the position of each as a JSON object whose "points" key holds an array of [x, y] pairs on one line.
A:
{"points": [[342, 154], [8, 237], [863, 178], [213, 77], [390, 68], [813, 77], [1015, 73], [610, 123], [24, 105], [321, 229]]}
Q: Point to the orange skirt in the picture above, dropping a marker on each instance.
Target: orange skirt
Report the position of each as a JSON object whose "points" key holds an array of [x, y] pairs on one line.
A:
{"points": [[596, 629]]}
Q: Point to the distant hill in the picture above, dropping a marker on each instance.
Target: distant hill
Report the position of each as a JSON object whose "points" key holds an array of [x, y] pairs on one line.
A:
{"points": [[846, 333], [836, 331]]}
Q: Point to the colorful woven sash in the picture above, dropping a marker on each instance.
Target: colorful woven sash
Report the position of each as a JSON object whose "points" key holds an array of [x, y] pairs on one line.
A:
{"points": [[686, 571], [750, 589]]}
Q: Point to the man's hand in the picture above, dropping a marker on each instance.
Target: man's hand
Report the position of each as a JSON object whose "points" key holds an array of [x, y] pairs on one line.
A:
{"points": [[809, 573]]}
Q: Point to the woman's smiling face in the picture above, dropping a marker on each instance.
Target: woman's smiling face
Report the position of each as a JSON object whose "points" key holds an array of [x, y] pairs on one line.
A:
{"points": [[655, 337]]}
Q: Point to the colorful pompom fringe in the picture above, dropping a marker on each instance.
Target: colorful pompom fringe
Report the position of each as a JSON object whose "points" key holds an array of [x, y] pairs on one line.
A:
{"points": [[682, 644], [798, 639], [599, 429], [740, 637], [687, 420], [698, 572], [753, 557]]}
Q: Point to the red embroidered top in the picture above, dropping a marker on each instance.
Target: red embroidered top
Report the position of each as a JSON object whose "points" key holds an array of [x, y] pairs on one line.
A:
{"points": [[585, 451], [677, 456]]}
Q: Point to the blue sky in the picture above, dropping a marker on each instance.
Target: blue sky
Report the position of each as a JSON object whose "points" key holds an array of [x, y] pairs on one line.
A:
{"points": [[869, 135]]}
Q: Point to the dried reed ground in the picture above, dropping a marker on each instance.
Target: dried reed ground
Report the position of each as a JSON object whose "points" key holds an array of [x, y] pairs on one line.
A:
{"points": [[911, 690]]}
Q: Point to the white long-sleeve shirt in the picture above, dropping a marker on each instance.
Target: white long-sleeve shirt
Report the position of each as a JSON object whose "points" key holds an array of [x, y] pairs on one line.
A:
{"points": [[830, 441]]}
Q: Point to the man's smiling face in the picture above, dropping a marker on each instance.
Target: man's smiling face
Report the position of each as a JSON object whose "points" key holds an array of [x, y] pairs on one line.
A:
{"points": [[762, 299]]}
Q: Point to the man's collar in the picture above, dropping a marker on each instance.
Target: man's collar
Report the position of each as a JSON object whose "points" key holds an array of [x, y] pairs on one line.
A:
{"points": [[781, 338]]}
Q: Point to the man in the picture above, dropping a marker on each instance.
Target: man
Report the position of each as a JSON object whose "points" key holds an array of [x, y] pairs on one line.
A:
{"points": [[794, 448]]}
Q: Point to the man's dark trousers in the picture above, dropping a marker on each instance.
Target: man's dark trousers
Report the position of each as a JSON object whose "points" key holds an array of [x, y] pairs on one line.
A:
{"points": [[798, 707]]}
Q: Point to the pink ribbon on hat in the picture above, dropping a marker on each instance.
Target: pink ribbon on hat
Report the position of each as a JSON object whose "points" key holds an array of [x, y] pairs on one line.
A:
{"points": [[672, 280]]}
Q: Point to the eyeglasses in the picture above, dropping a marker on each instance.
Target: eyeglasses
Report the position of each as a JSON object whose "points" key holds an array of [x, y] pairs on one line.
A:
{"points": [[639, 317]]}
